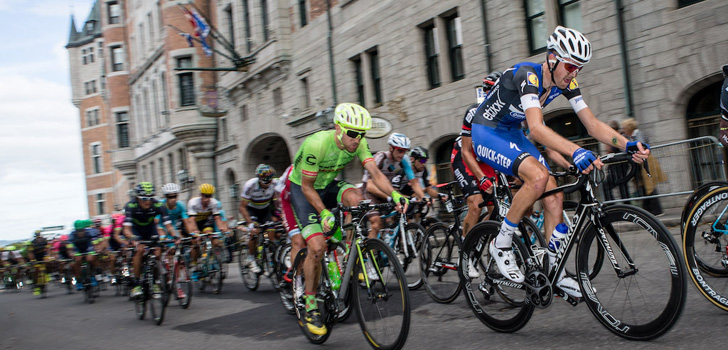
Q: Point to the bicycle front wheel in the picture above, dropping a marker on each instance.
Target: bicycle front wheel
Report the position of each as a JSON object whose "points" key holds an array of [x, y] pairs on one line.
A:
{"points": [[158, 295], [182, 284], [643, 294], [381, 296], [250, 279], [411, 260], [221, 270], [705, 240], [498, 303], [439, 261]]}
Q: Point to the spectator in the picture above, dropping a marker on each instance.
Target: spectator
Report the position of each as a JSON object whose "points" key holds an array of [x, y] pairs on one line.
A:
{"points": [[648, 185]]}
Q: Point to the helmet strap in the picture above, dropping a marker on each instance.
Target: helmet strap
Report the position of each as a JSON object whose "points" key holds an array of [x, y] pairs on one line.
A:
{"points": [[551, 69]]}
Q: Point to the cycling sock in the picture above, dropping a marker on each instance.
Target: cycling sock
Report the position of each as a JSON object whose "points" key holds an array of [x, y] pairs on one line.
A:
{"points": [[310, 302], [505, 236]]}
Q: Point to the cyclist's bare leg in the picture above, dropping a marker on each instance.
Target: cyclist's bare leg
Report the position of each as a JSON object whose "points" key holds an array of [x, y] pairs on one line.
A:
{"points": [[252, 241], [375, 224], [138, 261], [312, 264], [553, 209], [297, 243], [77, 266], [535, 178], [471, 218]]}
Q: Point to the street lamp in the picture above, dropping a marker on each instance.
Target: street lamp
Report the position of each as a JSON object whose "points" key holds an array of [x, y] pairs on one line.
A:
{"points": [[184, 178]]}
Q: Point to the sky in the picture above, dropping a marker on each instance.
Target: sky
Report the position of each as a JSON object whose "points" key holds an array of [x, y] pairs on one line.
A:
{"points": [[41, 165]]}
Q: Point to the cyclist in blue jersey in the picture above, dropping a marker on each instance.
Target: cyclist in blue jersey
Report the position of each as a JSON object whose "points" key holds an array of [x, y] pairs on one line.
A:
{"points": [[389, 163], [176, 211], [82, 240], [499, 141]]}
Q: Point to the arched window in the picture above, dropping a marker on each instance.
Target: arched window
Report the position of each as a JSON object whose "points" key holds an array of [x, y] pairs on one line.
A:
{"points": [[703, 112], [443, 149]]}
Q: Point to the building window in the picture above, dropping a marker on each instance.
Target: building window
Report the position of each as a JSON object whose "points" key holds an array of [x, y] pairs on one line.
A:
{"points": [[243, 113], [683, 3], [359, 79], [161, 170], [142, 42], [376, 79], [172, 172], [277, 99], [570, 12], [165, 102], [455, 46], [89, 26], [230, 24], [83, 57], [151, 29], [114, 12], [302, 12], [305, 94], [432, 49], [186, 83], [122, 129], [224, 128], [90, 55], [92, 117], [153, 175], [93, 86], [117, 58], [100, 204], [264, 18], [96, 157], [182, 159], [246, 22], [536, 24]]}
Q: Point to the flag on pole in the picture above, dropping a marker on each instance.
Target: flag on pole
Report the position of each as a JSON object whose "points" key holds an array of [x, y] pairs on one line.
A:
{"points": [[188, 38], [202, 29]]}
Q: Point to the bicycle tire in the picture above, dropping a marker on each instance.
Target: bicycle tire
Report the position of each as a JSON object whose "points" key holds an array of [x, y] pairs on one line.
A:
{"points": [[411, 265], [635, 233], [695, 196], [390, 291], [704, 249], [250, 279], [218, 263], [286, 290], [270, 269], [140, 307], [181, 279], [500, 307], [157, 302], [531, 234], [300, 304], [338, 254], [439, 261]]}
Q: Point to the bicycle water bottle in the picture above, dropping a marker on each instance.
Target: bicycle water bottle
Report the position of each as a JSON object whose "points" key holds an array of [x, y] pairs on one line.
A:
{"points": [[334, 275], [387, 235], [260, 252], [556, 241]]}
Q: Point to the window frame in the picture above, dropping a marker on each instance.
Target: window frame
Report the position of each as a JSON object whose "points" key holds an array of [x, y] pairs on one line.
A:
{"points": [[117, 51], [432, 53], [111, 18], [529, 28], [303, 14], [264, 19], [100, 204], [375, 74], [122, 124], [96, 157], [189, 98], [455, 49]]}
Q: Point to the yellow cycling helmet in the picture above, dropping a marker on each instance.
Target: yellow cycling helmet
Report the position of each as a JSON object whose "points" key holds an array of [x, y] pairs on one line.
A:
{"points": [[352, 116], [207, 189]]}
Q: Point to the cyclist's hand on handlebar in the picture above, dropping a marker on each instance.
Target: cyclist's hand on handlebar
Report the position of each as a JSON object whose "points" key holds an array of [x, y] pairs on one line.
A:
{"points": [[639, 151], [586, 161], [399, 200], [327, 220], [485, 185]]}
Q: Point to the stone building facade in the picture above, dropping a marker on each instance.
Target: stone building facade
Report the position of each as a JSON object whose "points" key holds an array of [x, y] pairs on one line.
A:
{"points": [[415, 64]]}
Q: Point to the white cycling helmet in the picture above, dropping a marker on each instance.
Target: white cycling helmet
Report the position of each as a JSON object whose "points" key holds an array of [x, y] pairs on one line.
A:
{"points": [[569, 43], [170, 188], [399, 140]]}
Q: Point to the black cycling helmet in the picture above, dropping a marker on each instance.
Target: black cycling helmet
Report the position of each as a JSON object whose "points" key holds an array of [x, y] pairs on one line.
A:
{"points": [[490, 80], [420, 152], [145, 189]]}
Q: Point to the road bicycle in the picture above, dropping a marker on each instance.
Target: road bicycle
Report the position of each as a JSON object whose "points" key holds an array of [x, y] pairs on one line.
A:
{"points": [[705, 241], [406, 240], [639, 294], [89, 284], [212, 270], [179, 284], [152, 283], [40, 277], [266, 258], [381, 299]]}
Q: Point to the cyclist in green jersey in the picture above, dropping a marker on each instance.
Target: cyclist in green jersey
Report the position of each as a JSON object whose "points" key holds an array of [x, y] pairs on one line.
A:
{"points": [[314, 190]]}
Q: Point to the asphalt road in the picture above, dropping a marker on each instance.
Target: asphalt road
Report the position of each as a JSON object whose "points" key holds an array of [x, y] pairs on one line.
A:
{"points": [[240, 319]]}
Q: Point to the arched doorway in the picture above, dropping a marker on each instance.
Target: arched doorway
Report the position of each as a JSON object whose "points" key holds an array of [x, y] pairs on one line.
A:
{"points": [[233, 192], [442, 148], [269, 149], [703, 119]]}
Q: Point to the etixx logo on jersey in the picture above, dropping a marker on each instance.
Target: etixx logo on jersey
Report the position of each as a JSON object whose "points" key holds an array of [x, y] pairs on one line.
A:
{"points": [[532, 79]]}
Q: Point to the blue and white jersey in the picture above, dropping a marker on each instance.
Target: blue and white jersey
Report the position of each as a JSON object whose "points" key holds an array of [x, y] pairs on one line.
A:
{"points": [[503, 107]]}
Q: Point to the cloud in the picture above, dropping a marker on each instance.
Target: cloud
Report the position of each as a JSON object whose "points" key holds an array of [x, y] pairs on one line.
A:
{"points": [[48, 8]]}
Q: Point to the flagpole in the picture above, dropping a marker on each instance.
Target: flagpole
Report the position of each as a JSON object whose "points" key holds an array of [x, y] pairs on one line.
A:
{"points": [[217, 35]]}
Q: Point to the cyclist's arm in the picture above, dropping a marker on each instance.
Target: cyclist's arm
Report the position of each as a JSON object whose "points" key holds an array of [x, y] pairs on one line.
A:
{"points": [[417, 188], [310, 192], [557, 158], [378, 178], [374, 190], [600, 130], [244, 210], [469, 157], [221, 224], [545, 135]]}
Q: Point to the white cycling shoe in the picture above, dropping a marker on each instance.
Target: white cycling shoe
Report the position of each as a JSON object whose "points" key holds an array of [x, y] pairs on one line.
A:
{"points": [[506, 263], [570, 286], [473, 269]]}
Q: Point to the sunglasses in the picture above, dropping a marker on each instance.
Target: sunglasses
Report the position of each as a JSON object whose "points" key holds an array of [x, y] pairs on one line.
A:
{"points": [[143, 198], [422, 160], [400, 150], [570, 67], [354, 134], [207, 195], [266, 180], [171, 197]]}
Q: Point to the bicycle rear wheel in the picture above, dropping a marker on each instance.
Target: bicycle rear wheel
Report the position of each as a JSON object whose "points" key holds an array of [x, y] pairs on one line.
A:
{"points": [[300, 305], [411, 264], [181, 281], [250, 279], [221, 270], [286, 290], [645, 298], [705, 244], [495, 300], [439, 261], [140, 307], [382, 301]]}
